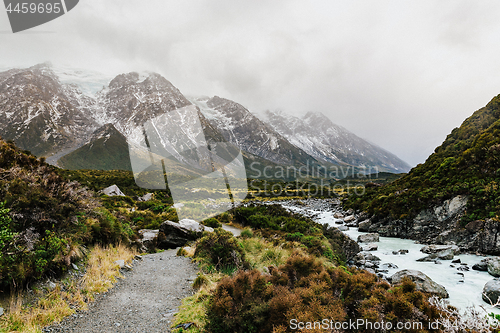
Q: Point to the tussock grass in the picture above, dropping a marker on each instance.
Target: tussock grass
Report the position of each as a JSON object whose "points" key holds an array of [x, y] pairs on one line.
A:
{"points": [[69, 295], [261, 253], [102, 272], [193, 308]]}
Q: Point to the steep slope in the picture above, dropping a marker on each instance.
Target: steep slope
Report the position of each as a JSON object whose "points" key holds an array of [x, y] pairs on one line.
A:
{"points": [[131, 100], [317, 135], [44, 218], [240, 127], [106, 150], [465, 167], [37, 113]]}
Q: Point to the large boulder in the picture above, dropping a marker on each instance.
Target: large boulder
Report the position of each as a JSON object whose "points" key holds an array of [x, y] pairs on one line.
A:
{"points": [[494, 267], [364, 226], [443, 255], [349, 218], [368, 238], [148, 239], [113, 191], [482, 265], [370, 247], [429, 249], [175, 234], [366, 256], [423, 282], [491, 291]]}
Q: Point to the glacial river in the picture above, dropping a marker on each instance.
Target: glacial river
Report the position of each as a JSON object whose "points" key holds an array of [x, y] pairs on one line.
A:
{"points": [[462, 294]]}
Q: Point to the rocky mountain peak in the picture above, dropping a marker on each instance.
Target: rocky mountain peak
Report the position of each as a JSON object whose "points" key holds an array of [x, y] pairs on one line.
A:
{"points": [[317, 135], [36, 112], [318, 119], [105, 131], [124, 80]]}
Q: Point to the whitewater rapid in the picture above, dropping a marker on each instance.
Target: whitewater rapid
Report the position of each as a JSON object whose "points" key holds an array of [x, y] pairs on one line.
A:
{"points": [[465, 291]]}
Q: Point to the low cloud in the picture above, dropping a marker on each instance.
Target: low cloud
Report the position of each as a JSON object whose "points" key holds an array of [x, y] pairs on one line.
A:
{"points": [[401, 74]]}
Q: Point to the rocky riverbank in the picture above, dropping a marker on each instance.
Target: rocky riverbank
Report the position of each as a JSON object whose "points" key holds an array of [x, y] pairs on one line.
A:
{"points": [[447, 268], [440, 224]]}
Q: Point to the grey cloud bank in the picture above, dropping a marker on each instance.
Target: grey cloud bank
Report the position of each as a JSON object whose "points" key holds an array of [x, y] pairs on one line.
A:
{"points": [[401, 74]]}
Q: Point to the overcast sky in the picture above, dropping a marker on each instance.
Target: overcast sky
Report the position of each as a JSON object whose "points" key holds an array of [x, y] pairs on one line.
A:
{"points": [[401, 74]]}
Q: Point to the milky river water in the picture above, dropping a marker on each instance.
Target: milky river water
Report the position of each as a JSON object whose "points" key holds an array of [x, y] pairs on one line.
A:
{"points": [[462, 294]]}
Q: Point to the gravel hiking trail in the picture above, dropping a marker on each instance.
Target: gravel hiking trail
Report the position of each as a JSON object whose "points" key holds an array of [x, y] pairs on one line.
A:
{"points": [[144, 301]]}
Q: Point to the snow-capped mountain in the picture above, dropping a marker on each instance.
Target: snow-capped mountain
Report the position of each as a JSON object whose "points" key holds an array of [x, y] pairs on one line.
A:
{"points": [[132, 99], [77, 113], [241, 128], [317, 135], [39, 113]]}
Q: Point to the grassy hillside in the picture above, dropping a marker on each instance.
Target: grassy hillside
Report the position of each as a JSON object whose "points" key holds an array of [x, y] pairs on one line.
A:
{"points": [[468, 163], [108, 151], [46, 220]]}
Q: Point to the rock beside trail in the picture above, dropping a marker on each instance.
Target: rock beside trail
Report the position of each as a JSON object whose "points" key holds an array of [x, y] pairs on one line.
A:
{"points": [[113, 191], [175, 234], [491, 291], [368, 238], [494, 266], [147, 240], [120, 263], [423, 282]]}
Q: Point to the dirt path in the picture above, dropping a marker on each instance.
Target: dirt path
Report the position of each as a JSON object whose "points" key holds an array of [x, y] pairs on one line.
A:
{"points": [[145, 301]]}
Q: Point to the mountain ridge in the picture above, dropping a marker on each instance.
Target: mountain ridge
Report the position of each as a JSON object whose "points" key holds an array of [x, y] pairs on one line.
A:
{"points": [[132, 99], [464, 169], [316, 134]]}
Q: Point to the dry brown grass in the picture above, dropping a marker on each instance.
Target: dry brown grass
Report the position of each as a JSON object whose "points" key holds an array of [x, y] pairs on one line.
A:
{"points": [[54, 305], [102, 272]]}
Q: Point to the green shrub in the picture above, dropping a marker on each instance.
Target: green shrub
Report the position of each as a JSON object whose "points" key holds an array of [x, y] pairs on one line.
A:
{"points": [[225, 218], [247, 233], [260, 221], [212, 223], [220, 249], [200, 281]]}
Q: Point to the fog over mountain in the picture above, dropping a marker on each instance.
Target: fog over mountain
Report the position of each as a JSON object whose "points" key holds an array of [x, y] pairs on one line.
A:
{"points": [[53, 117], [401, 74]]}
